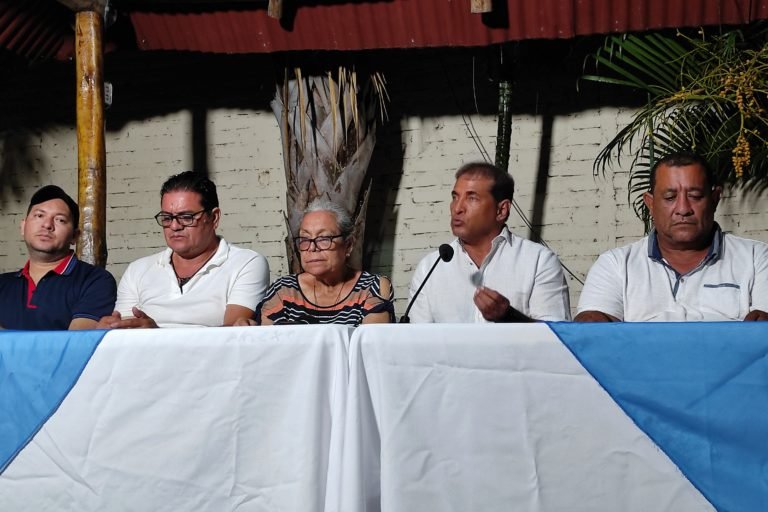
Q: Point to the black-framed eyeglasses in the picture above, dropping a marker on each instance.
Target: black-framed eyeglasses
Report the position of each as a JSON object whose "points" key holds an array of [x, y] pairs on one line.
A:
{"points": [[322, 243], [184, 219]]}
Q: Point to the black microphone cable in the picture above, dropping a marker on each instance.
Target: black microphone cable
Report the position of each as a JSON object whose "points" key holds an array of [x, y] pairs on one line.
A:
{"points": [[446, 255]]}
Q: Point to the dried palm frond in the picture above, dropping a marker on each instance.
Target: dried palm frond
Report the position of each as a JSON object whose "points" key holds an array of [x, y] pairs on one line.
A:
{"points": [[332, 94], [328, 127], [379, 83]]}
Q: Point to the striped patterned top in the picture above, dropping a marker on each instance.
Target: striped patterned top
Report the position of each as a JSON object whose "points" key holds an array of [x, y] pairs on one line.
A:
{"points": [[285, 303]]}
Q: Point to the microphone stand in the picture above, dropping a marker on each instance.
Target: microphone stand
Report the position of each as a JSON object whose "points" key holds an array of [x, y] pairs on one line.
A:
{"points": [[405, 319]]}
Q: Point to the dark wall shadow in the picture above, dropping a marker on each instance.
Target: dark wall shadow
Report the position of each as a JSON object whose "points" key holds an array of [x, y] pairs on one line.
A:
{"points": [[200, 140], [542, 178], [423, 83], [27, 106], [148, 84], [22, 160], [385, 172], [499, 15], [154, 84]]}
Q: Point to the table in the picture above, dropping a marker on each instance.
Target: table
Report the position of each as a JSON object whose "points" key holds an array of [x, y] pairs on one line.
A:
{"points": [[190, 419], [536, 417]]}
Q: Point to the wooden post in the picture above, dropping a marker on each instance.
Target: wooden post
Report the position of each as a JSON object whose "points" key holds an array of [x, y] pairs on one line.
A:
{"points": [[91, 153], [480, 6], [275, 9]]}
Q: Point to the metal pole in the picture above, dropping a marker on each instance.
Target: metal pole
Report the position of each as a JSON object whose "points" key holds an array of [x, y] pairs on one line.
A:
{"points": [[504, 129]]}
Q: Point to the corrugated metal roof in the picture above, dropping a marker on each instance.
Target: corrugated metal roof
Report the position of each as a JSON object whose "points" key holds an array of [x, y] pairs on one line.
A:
{"points": [[357, 25], [35, 29], [38, 29]]}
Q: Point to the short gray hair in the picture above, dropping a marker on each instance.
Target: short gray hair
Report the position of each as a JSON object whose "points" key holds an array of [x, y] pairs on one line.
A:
{"points": [[343, 219]]}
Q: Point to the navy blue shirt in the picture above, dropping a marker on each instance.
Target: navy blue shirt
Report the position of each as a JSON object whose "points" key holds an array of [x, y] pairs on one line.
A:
{"points": [[74, 289]]}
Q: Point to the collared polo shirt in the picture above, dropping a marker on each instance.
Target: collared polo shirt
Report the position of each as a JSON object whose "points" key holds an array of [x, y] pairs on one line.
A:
{"points": [[74, 289], [635, 284], [528, 274], [233, 275]]}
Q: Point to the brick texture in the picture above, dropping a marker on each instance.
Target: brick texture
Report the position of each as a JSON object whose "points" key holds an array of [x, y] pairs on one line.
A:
{"points": [[434, 127]]}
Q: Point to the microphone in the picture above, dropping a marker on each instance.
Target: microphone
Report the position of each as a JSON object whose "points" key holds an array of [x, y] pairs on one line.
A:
{"points": [[446, 255]]}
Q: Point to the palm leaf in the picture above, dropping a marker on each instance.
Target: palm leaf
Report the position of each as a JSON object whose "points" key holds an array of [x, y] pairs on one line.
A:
{"points": [[652, 62], [706, 94]]}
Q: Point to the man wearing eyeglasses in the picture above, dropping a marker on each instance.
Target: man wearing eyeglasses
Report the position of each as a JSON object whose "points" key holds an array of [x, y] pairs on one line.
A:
{"points": [[200, 279]]}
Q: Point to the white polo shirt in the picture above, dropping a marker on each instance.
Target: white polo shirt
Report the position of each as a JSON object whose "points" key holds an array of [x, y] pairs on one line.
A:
{"points": [[633, 283], [526, 273], [233, 276]]}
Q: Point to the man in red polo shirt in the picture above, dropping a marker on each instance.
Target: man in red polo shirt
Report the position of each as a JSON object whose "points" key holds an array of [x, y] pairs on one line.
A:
{"points": [[54, 290]]}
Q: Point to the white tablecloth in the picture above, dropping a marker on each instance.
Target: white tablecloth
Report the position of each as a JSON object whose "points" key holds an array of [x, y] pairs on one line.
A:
{"points": [[191, 420], [491, 419], [393, 418]]}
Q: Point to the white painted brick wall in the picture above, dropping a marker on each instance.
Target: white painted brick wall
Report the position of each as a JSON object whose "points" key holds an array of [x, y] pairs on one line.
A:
{"points": [[583, 214]]}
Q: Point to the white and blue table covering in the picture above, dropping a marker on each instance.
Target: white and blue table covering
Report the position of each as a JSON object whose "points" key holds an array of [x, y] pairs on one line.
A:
{"points": [[558, 417], [540, 417], [171, 420]]}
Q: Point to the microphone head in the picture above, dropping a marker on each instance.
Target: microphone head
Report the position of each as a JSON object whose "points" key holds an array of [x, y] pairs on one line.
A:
{"points": [[446, 252]]}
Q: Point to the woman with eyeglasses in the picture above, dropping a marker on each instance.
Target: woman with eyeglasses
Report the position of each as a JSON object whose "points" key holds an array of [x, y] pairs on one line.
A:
{"points": [[328, 290]]}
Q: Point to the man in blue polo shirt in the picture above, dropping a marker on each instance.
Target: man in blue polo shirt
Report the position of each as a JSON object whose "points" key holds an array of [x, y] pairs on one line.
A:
{"points": [[54, 290]]}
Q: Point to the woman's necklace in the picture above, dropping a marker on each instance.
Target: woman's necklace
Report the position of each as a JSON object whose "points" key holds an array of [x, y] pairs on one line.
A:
{"points": [[338, 295], [184, 280]]}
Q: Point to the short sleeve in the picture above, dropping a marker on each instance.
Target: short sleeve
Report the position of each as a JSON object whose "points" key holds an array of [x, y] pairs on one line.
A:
{"points": [[380, 297], [549, 296], [97, 297], [127, 291], [251, 283], [759, 295], [271, 305], [603, 290]]}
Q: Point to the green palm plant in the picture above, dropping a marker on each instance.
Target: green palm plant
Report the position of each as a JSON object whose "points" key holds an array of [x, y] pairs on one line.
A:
{"points": [[706, 94]]}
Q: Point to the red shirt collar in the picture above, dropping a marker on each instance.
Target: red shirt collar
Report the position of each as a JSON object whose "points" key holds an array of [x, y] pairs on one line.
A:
{"points": [[60, 268]]}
